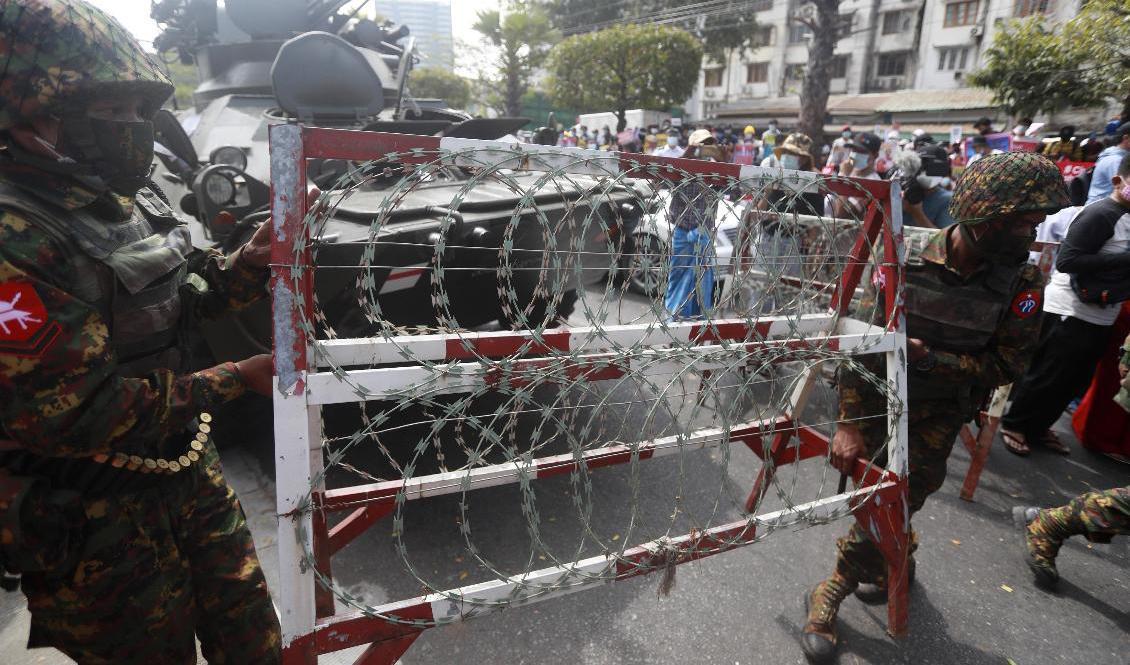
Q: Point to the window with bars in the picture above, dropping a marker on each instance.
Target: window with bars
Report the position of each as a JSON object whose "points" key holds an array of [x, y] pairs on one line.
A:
{"points": [[757, 72], [839, 66], [961, 13], [953, 59], [798, 32], [1031, 7], [762, 36], [891, 64], [897, 22], [713, 78]]}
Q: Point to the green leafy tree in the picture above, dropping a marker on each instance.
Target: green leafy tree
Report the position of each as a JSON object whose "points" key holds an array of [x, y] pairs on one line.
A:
{"points": [[625, 67], [574, 16], [522, 38], [185, 81], [725, 28], [441, 84], [1031, 68]]}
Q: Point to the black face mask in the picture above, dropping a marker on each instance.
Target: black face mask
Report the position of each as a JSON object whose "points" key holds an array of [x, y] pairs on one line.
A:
{"points": [[118, 152], [1000, 246]]}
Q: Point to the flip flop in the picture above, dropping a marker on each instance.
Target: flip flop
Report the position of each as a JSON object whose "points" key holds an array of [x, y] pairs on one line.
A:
{"points": [[1050, 440], [1015, 443]]}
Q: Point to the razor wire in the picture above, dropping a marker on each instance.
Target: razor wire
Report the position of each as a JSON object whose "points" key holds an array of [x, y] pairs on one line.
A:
{"points": [[555, 243]]}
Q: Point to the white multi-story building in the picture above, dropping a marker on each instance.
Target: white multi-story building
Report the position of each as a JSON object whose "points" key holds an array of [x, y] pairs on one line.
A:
{"points": [[429, 22], [887, 46]]}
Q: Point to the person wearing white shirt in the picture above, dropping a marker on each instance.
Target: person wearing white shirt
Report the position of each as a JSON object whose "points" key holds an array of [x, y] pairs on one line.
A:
{"points": [[1081, 302], [672, 148]]}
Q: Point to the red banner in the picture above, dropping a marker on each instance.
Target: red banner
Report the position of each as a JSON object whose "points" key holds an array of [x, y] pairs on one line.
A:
{"points": [[1072, 170]]}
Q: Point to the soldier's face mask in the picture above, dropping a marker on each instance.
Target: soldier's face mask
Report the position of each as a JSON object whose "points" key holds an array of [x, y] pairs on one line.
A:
{"points": [[1005, 242], [120, 152]]}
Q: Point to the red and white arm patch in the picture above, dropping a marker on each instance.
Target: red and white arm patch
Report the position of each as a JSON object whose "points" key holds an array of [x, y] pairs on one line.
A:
{"points": [[1027, 303], [25, 328]]}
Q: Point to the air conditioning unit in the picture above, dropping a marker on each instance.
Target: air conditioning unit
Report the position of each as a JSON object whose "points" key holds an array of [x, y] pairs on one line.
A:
{"points": [[709, 93], [976, 31], [747, 89]]}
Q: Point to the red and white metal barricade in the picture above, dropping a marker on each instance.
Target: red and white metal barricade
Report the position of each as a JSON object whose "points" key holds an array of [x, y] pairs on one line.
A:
{"points": [[309, 374]]}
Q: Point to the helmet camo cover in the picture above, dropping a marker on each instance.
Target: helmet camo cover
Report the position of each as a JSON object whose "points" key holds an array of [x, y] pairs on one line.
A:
{"points": [[1011, 182], [60, 52]]}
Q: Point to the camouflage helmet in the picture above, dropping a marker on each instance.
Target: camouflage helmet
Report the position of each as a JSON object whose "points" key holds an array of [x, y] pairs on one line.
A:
{"points": [[1007, 183], [61, 52]]}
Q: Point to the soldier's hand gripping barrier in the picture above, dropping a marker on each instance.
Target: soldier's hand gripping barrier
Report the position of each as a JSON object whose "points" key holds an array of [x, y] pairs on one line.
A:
{"points": [[653, 312]]}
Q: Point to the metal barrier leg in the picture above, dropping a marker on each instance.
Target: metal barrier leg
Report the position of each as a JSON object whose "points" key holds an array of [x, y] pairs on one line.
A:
{"points": [[797, 401], [979, 448], [386, 653], [323, 596]]}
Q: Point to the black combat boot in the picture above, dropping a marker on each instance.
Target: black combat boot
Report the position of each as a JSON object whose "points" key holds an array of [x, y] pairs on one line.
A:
{"points": [[876, 594], [818, 639]]}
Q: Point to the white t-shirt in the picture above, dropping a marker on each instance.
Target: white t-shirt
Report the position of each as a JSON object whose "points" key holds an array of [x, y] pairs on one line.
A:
{"points": [[1053, 229], [1060, 298]]}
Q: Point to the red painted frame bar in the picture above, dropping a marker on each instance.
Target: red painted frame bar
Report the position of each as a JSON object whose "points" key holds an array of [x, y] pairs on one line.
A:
{"points": [[389, 639]]}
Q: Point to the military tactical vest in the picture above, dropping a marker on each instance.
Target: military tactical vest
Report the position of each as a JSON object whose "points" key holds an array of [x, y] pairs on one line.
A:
{"points": [[131, 272], [949, 314]]}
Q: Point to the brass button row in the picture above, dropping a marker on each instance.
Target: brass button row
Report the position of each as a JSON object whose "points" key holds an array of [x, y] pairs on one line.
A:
{"points": [[159, 465]]}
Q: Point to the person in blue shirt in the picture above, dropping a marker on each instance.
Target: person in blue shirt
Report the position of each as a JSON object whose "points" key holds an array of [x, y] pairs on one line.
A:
{"points": [[1107, 166]]}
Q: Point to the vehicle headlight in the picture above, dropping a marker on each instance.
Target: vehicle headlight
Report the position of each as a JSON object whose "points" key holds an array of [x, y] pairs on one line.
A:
{"points": [[229, 155], [219, 188]]}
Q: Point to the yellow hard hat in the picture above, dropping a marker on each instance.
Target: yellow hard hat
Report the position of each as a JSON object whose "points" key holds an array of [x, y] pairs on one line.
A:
{"points": [[749, 129]]}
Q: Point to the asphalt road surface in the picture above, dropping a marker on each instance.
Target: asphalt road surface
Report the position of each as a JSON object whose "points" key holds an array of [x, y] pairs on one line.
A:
{"points": [[973, 601]]}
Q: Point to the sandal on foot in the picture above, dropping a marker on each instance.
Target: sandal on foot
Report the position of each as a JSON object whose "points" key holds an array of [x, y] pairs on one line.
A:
{"points": [[1014, 443], [1051, 441]]}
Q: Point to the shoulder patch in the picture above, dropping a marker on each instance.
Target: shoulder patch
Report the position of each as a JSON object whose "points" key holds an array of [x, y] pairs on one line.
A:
{"points": [[1027, 303], [25, 329]]}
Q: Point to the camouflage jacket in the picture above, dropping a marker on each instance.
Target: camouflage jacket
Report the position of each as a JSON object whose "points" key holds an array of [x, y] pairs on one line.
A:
{"points": [[60, 392], [1002, 361]]}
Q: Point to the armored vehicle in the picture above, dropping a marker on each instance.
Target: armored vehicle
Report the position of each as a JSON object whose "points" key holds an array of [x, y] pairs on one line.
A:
{"points": [[263, 62]]}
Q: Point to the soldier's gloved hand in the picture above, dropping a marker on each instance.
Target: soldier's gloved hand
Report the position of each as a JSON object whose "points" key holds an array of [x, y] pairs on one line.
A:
{"points": [[256, 373], [847, 445]]}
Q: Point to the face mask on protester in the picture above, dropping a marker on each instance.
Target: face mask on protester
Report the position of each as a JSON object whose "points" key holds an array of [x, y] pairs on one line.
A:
{"points": [[859, 160], [791, 162], [672, 141], [846, 135]]}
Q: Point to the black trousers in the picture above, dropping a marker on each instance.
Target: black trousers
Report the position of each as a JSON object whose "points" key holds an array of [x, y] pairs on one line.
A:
{"points": [[1062, 366]]}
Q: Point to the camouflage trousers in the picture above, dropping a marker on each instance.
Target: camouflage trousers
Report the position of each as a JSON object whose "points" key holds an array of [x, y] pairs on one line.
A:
{"points": [[158, 568], [1095, 515], [932, 429]]}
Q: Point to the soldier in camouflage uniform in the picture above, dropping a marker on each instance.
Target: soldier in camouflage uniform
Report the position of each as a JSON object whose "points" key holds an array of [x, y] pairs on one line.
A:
{"points": [[1097, 516], [972, 319], [113, 504]]}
